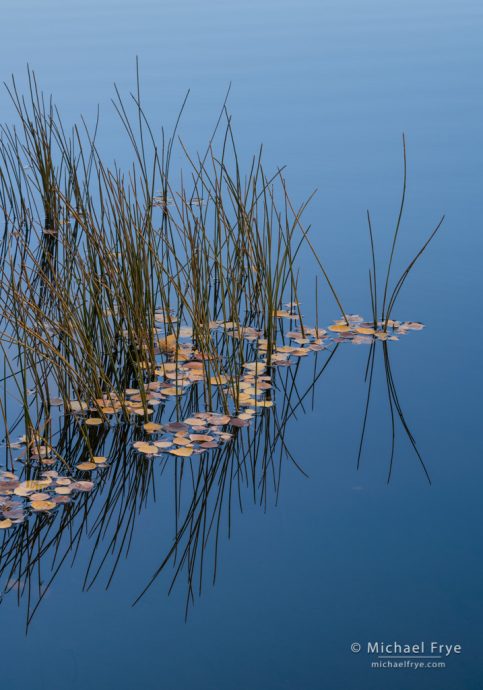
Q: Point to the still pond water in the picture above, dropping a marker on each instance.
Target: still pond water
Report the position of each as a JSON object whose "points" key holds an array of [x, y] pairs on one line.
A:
{"points": [[320, 560]]}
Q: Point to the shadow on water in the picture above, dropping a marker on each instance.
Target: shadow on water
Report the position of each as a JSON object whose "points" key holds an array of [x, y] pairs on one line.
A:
{"points": [[394, 405], [206, 494]]}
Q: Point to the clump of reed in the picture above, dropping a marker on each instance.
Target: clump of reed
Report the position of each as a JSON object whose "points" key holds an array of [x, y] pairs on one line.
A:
{"points": [[102, 268], [389, 298]]}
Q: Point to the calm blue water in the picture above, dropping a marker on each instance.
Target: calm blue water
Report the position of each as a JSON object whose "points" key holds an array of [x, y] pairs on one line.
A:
{"points": [[328, 87]]}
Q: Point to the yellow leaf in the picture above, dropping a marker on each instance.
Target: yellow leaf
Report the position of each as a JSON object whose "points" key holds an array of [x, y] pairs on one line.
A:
{"points": [[167, 344], [172, 391], [86, 466], [151, 427], [181, 441], [183, 452], [218, 380], [201, 437], [148, 449], [42, 505], [35, 484], [94, 421], [340, 328], [63, 490]]}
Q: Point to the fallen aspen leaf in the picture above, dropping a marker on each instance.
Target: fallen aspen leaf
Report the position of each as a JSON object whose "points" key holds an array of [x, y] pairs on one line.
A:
{"points": [[183, 452], [86, 466], [83, 486], [39, 497], [339, 328], [94, 421], [151, 427], [42, 505], [167, 344]]}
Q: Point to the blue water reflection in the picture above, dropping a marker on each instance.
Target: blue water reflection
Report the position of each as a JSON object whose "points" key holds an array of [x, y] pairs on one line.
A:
{"points": [[341, 556]]}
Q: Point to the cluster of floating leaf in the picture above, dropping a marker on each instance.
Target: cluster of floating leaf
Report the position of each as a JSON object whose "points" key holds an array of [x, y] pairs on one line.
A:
{"points": [[361, 332], [18, 499], [202, 431]]}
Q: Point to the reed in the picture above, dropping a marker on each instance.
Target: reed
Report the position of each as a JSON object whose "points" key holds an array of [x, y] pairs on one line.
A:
{"points": [[204, 504], [103, 270], [389, 297]]}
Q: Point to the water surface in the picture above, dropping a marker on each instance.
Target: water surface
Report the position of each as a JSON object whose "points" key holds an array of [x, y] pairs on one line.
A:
{"points": [[339, 556]]}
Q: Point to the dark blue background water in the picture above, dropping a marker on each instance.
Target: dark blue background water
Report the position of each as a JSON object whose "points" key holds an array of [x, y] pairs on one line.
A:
{"points": [[328, 87]]}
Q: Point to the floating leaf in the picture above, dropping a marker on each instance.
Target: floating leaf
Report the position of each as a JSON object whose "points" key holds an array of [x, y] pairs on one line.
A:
{"points": [[413, 325], [194, 421], [181, 441], [362, 340], [83, 486], [39, 497], [149, 449], [78, 406], [218, 380], [173, 391], [183, 452], [94, 421], [257, 367], [151, 427], [168, 344], [42, 505], [339, 328], [174, 427], [236, 421], [35, 484], [219, 420], [86, 466]]}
